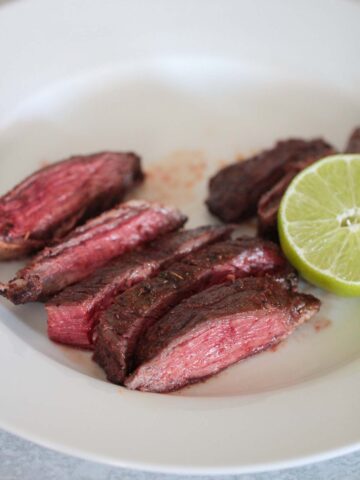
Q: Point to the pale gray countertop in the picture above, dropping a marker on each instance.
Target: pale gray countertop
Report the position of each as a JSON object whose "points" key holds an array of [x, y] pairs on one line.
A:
{"points": [[23, 460]]}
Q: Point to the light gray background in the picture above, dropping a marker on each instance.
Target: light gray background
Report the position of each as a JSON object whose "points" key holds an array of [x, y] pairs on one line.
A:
{"points": [[22, 460]]}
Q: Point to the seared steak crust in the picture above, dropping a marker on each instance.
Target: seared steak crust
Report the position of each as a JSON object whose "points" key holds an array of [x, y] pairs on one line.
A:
{"points": [[353, 145], [52, 201], [91, 246], [235, 190], [135, 310], [216, 328], [269, 202], [73, 313]]}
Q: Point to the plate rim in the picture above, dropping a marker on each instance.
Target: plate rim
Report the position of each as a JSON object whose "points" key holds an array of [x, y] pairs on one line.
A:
{"points": [[9, 353]]}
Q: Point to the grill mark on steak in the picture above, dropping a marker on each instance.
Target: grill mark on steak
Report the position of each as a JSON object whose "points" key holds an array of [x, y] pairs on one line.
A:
{"points": [[73, 313], [135, 310], [90, 247], [269, 202], [353, 145], [53, 200], [215, 329], [235, 190]]}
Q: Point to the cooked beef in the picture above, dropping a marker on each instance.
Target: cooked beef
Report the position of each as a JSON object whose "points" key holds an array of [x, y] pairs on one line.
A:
{"points": [[90, 247], [268, 207], [52, 201], [236, 189], [353, 145], [216, 328], [73, 313], [286, 276], [269, 202], [139, 307]]}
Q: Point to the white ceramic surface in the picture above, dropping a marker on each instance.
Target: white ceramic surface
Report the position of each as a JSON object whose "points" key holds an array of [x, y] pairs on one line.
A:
{"points": [[188, 85]]}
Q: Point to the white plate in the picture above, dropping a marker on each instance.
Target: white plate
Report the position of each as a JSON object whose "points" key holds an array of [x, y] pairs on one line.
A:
{"points": [[188, 85]]}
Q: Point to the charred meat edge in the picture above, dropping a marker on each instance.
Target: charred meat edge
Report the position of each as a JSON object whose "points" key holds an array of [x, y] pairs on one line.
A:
{"points": [[216, 328], [353, 145], [73, 313], [49, 203], [235, 190], [269, 202], [91, 246], [135, 310]]}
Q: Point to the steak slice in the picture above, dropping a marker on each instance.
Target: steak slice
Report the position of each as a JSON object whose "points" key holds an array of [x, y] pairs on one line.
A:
{"points": [[135, 310], [90, 247], [52, 201], [269, 202], [216, 328], [73, 313], [268, 207], [353, 145], [236, 189]]}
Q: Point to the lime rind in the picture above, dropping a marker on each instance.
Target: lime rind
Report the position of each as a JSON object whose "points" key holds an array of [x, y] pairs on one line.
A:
{"points": [[325, 254]]}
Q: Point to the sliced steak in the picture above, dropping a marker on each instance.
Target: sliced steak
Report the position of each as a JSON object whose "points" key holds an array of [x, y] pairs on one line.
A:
{"points": [[215, 329], [269, 202], [236, 189], [90, 247], [52, 201], [353, 145], [268, 207], [135, 310], [73, 313]]}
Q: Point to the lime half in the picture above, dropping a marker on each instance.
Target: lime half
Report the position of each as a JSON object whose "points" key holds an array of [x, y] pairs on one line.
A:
{"points": [[319, 224]]}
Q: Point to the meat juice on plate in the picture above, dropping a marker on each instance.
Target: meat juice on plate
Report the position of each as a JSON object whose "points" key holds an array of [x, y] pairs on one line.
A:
{"points": [[181, 179]]}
